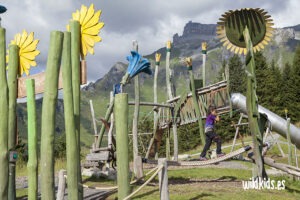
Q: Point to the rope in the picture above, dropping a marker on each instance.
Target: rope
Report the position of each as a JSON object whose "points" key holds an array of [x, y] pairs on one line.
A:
{"points": [[150, 179]]}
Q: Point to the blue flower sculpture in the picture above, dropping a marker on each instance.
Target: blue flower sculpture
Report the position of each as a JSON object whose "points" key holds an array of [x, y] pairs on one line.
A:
{"points": [[2, 9], [137, 64]]}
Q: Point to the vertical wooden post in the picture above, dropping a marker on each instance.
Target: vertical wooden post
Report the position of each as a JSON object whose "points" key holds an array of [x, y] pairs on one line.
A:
{"points": [[93, 117], [252, 109], [121, 119], [61, 185], [48, 115], [237, 128], [195, 100], [3, 120], [163, 179], [135, 116], [170, 96], [204, 45], [288, 137], [75, 60], [32, 165], [12, 82], [71, 141]]}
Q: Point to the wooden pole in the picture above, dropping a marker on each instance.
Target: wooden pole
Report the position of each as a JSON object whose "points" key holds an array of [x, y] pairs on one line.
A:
{"points": [[48, 115], [204, 45], [252, 109], [32, 164], [170, 96], [71, 141], [121, 120], [135, 116], [163, 179], [94, 123], [195, 100], [3, 120], [288, 137], [102, 130], [13, 66], [75, 60], [61, 185]]}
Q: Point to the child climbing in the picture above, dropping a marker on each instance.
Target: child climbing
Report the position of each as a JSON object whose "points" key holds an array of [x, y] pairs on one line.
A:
{"points": [[211, 134]]}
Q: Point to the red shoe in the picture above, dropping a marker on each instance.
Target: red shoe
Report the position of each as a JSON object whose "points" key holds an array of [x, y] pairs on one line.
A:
{"points": [[221, 154]]}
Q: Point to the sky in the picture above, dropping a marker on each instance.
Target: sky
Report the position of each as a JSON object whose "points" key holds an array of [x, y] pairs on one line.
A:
{"points": [[151, 22]]}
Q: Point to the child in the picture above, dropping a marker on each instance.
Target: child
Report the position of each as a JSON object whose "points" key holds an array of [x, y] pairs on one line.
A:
{"points": [[210, 133]]}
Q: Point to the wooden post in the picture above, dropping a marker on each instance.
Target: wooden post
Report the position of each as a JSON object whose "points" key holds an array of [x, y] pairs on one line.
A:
{"points": [[237, 128], [13, 66], [3, 120], [135, 116], [32, 164], [102, 130], [252, 109], [61, 185], [94, 123], [195, 100], [139, 167], [204, 45], [163, 179], [48, 115], [170, 96], [70, 127], [75, 60], [288, 137], [121, 120]]}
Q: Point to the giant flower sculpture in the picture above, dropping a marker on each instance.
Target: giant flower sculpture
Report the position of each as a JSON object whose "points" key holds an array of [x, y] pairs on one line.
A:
{"points": [[27, 51], [90, 28], [137, 64]]}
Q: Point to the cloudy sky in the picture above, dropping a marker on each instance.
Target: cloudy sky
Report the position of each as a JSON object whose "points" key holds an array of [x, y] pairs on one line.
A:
{"points": [[150, 22]]}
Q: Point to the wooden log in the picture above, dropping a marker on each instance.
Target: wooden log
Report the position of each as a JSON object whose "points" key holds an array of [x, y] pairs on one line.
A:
{"points": [[121, 120], [135, 116], [3, 120], [196, 105], [252, 109], [13, 66], [32, 164], [48, 116], [139, 167], [71, 141], [163, 179], [288, 137], [61, 185], [75, 60]]}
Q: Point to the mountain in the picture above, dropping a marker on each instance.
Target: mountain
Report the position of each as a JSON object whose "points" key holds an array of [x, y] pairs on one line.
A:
{"points": [[280, 49]]}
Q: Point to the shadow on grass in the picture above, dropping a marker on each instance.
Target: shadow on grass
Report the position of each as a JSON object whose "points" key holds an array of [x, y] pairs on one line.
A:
{"points": [[182, 180], [292, 190], [200, 196], [146, 194]]}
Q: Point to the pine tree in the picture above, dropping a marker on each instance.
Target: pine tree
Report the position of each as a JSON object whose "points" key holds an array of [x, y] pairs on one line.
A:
{"points": [[296, 84], [288, 96], [261, 73], [237, 75]]}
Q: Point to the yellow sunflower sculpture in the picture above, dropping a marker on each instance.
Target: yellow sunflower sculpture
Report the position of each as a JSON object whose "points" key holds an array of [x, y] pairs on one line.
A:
{"points": [[27, 52], [90, 28]]}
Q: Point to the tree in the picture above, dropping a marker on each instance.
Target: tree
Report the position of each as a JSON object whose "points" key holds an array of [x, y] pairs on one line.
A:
{"points": [[261, 73], [295, 85], [237, 75]]}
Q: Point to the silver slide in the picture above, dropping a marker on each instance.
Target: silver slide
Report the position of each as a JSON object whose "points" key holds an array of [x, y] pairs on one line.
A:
{"points": [[278, 124]]}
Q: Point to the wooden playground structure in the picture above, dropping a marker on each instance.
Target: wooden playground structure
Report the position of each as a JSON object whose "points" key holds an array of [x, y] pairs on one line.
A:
{"points": [[68, 50]]}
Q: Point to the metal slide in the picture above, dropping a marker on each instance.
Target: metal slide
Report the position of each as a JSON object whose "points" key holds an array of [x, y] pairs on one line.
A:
{"points": [[278, 124]]}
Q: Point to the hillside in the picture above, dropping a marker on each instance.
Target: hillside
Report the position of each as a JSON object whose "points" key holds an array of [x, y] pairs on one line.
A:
{"points": [[187, 44]]}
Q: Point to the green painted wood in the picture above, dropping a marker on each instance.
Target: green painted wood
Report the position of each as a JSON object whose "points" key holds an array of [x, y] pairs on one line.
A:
{"points": [[196, 105], [48, 115], [71, 147], [102, 130], [121, 122], [32, 164], [12, 82], [252, 109], [3, 120], [288, 137], [75, 60]]}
